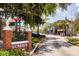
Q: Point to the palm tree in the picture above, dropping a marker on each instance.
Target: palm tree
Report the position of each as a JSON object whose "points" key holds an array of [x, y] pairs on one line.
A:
{"points": [[63, 24]]}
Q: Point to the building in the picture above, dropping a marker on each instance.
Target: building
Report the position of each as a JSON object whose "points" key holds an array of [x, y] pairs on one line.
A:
{"points": [[62, 27]]}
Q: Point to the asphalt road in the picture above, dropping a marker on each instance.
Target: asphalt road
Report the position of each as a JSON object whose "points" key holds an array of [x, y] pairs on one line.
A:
{"points": [[56, 46]]}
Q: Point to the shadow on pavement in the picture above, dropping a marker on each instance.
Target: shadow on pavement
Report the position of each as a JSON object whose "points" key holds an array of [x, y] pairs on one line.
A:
{"points": [[59, 44], [52, 43]]}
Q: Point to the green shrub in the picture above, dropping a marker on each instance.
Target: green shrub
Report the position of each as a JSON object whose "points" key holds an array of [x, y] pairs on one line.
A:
{"points": [[34, 41], [20, 37], [13, 52], [4, 53]]}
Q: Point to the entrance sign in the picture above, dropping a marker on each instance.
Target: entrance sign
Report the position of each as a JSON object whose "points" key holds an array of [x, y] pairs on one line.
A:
{"points": [[8, 35], [20, 44]]}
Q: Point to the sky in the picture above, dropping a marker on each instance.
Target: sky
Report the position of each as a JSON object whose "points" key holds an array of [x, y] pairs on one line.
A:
{"points": [[69, 13]]}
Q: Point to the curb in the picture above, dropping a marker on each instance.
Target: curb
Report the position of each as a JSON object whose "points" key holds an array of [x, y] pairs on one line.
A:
{"points": [[73, 43], [31, 53]]}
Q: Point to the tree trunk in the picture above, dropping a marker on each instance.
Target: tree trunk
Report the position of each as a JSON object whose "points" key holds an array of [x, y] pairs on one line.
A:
{"points": [[19, 26], [38, 29], [0, 28]]}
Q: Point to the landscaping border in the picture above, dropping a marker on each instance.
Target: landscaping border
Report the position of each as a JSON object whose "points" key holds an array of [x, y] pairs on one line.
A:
{"points": [[74, 44], [33, 50], [77, 44]]}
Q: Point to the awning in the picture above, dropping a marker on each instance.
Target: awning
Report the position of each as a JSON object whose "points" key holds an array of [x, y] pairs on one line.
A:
{"points": [[15, 19]]}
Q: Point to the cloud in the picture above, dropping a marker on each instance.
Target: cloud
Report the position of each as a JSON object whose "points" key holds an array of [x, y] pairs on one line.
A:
{"points": [[78, 10], [77, 4], [64, 14]]}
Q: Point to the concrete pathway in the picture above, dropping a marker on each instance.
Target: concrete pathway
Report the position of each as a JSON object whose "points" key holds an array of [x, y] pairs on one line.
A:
{"points": [[56, 46]]}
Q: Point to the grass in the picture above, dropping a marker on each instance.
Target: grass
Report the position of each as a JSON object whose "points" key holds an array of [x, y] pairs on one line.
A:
{"points": [[73, 40]]}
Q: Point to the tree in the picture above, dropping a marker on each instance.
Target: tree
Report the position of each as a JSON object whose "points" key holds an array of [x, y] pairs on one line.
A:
{"points": [[33, 9], [76, 23], [62, 24]]}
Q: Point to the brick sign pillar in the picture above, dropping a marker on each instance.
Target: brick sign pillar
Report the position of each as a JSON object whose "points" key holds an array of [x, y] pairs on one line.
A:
{"points": [[7, 37], [28, 35]]}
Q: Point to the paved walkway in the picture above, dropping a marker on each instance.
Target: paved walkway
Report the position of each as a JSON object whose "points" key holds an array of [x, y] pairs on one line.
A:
{"points": [[56, 46]]}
